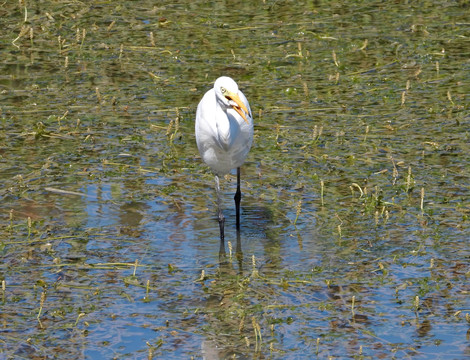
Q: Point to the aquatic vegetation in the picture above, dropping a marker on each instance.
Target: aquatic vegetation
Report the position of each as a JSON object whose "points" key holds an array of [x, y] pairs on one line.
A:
{"points": [[355, 215]]}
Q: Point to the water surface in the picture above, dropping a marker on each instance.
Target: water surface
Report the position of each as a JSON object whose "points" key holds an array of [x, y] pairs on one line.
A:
{"points": [[355, 209]]}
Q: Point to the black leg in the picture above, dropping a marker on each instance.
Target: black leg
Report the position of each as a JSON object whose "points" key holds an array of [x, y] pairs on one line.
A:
{"points": [[221, 226], [220, 213], [237, 198]]}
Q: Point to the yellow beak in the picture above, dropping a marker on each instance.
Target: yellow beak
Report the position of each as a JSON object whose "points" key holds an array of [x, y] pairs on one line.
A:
{"points": [[240, 108]]}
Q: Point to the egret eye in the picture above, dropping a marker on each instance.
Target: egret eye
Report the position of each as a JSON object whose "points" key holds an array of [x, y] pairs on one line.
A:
{"points": [[223, 90]]}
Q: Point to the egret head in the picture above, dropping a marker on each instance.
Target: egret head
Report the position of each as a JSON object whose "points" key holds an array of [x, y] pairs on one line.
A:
{"points": [[226, 90]]}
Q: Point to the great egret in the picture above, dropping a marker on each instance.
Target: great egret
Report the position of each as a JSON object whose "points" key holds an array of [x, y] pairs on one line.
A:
{"points": [[224, 134]]}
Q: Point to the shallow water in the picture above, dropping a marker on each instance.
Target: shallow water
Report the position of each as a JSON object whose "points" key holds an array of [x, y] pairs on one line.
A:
{"points": [[110, 244]]}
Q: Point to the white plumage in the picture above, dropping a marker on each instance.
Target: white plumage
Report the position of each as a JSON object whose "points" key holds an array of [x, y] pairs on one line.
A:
{"points": [[223, 136]]}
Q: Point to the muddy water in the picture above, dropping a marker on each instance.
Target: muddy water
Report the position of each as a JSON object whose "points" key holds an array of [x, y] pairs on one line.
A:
{"points": [[355, 194]]}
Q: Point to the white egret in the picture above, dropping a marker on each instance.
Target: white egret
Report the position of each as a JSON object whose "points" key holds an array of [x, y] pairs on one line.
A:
{"points": [[224, 134]]}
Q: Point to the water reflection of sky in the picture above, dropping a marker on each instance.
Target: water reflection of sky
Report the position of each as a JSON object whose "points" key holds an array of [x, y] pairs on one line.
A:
{"points": [[161, 233]]}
